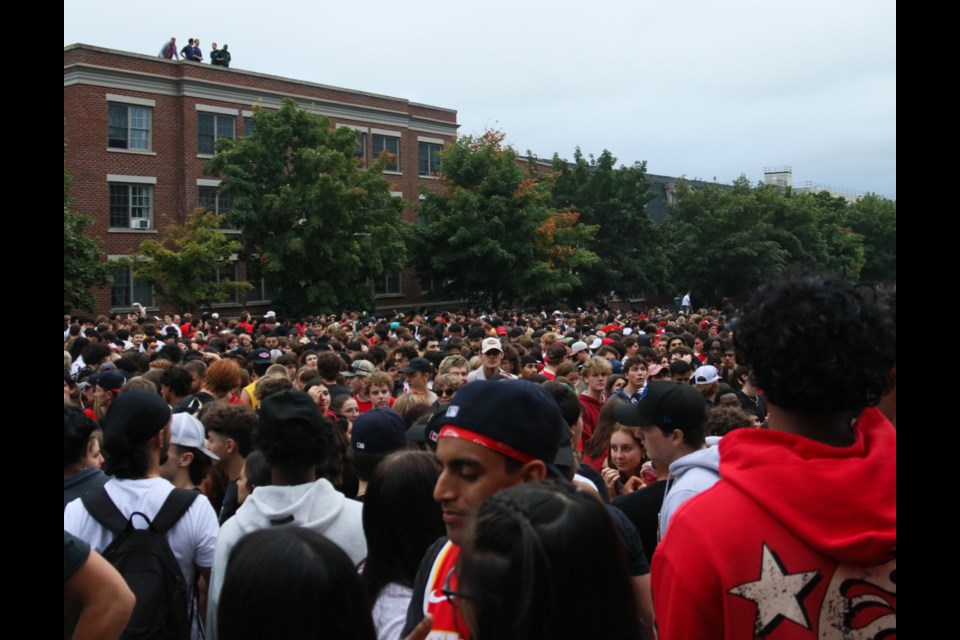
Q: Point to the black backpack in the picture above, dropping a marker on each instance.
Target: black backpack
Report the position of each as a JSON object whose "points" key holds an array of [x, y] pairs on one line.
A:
{"points": [[144, 559]]}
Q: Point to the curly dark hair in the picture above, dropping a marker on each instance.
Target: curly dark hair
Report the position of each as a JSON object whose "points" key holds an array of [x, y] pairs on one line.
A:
{"points": [[818, 346]]}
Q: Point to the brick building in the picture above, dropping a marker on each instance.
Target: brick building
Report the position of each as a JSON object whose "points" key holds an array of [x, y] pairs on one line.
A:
{"points": [[139, 130]]}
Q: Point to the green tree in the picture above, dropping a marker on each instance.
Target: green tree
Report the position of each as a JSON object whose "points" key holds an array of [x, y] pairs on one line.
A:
{"points": [[183, 264], [491, 234], [84, 266], [632, 259], [875, 219], [318, 226], [725, 241], [720, 241]]}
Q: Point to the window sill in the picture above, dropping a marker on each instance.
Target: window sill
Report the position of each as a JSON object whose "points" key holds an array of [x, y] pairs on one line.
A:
{"points": [[136, 152], [126, 230], [237, 231], [392, 173], [152, 308], [429, 177], [380, 296], [206, 156]]}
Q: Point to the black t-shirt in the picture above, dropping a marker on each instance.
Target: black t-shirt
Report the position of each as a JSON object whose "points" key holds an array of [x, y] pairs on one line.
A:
{"points": [[642, 507], [230, 502]]}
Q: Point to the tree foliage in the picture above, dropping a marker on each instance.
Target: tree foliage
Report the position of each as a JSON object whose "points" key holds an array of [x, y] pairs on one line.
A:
{"points": [[183, 264], [632, 258], [875, 219], [84, 266], [491, 234], [726, 241], [318, 225]]}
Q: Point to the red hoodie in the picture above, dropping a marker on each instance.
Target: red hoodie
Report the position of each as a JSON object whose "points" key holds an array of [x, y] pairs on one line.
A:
{"points": [[797, 540]]}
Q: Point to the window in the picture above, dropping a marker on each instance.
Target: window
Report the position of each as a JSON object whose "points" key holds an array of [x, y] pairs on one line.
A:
{"points": [[131, 206], [429, 158], [210, 128], [390, 145], [225, 274], [361, 149], [126, 290], [128, 127], [261, 290], [388, 284], [215, 202], [247, 127]]}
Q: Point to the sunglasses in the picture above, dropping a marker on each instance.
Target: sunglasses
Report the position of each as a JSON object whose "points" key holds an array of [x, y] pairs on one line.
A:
{"points": [[445, 392]]}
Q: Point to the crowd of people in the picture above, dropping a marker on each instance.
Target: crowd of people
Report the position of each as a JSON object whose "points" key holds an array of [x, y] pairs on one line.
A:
{"points": [[191, 52], [501, 474]]}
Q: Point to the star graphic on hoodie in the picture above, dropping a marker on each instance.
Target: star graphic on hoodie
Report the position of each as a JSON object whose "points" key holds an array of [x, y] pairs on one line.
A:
{"points": [[777, 594]]}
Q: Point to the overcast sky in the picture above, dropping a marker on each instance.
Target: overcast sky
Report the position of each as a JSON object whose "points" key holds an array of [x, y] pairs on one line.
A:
{"points": [[696, 88]]}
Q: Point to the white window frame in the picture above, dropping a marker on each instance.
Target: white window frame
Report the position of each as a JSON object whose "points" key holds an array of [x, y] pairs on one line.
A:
{"points": [[216, 113], [148, 303], [136, 187], [384, 282], [384, 135], [140, 106], [430, 143]]}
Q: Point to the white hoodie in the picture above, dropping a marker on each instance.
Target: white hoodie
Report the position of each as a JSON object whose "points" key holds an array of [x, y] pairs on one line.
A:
{"points": [[690, 475], [315, 505]]}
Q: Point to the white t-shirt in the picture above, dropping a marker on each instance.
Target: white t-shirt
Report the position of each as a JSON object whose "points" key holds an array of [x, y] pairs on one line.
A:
{"points": [[390, 610], [193, 539]]}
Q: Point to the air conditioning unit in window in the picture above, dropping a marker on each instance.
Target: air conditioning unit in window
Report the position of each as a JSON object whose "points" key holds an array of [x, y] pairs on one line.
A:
{"points": [[139, 223]]}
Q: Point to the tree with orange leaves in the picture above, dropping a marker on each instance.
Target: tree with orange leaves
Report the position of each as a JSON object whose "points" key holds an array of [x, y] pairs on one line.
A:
{"points": [[491, 235]]}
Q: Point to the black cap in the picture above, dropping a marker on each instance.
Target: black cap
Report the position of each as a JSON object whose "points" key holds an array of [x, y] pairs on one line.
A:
{"points": [[111, 380], [518, 415], [133, 418], [667, 404], [289, 405], [378, 431], [418, 365], [261, 356]]}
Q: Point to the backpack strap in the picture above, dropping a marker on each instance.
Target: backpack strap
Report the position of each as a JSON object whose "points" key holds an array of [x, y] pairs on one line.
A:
{"points": [[99, 505], [176, 504]]}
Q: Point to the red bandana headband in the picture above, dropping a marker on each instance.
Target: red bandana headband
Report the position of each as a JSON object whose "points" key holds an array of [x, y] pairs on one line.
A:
{"points": [[451, 431]]}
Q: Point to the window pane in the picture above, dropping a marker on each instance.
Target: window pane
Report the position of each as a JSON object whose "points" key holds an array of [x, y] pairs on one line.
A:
{"points": [[391, 146], [142, 293], [361, 149], [205, 133], [119, 205], [247, 127], [117, 126], [120, 293], [208, 198], [224, 127], [140, 201], [139, 128]]}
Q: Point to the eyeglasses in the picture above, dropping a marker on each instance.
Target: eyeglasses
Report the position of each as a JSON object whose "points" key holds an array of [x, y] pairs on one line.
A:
{"points": [[453, 597], [445, 392]]}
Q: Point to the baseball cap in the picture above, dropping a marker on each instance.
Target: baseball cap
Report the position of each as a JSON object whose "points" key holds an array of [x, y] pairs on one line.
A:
{"points": [[706, 374], [517, 419], [187, 431], [111, 380], [378, 431], [134, 417], [490, 344], [501, 330], [261, 356], [578, 346], [418, 365], [359, 368], [666, 404]]}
